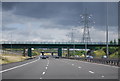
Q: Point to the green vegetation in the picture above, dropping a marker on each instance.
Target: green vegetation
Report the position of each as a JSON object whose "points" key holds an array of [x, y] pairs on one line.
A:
{"points": [[113, 51], [10, 58], [99, 53], [34, 53], [79, 53], [114, 55]]}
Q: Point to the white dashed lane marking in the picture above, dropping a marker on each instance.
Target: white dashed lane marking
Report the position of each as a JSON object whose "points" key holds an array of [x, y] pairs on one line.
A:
{"points": [[46, 67], [79, 67], [102, 76], [72, 64], [41, 78], [91, 72], [43, 73]]}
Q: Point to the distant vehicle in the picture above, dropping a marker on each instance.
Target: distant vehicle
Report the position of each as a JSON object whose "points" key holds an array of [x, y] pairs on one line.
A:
{"points": [[104, 57], [76, 56], [90, 57], [87, 56], [47, 56], [43, 56], [56, 56]]}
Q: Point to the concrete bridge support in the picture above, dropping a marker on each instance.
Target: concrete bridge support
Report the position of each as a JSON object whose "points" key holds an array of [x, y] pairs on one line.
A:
{"points": [[60, 52], [52, 53], [42, 53], [68, 53], [25, 51], [90, 52], [29, 52]]}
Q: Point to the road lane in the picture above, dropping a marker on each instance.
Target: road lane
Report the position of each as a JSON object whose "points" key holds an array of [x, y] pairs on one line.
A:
{"points": [[62, 69], [109, 72], [10, 65], [30, 71]]}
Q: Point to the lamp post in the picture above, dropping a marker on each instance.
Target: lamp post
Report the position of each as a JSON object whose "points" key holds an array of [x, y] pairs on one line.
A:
{"points": [[11, 43], [107, 50]]}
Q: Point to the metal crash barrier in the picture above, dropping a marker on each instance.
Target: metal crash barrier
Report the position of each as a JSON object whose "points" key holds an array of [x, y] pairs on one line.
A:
{"points": [[114, 62]]}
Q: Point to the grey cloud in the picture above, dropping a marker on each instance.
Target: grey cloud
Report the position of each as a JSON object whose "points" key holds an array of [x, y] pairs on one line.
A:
{"points": [[5, 28], [54, 16], [8, 5], [66, 13]]}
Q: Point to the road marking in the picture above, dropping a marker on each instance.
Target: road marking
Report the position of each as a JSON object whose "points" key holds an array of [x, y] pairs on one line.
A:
{"points": [[19, 66], [91, 72], [43, 73], [41, 78], [48, 62], [72, 64], [79, 67], [46, 67], [102, 76]]}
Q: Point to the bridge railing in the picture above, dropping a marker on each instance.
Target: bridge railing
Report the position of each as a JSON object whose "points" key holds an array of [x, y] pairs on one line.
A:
{"points": [[37, 42], [114, 62]]}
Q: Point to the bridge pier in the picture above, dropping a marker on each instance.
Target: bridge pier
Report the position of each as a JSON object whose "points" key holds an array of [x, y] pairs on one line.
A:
{"points": [[29, 52], [42, 53], [60, 52], [24, 51], [52, 53], [68, 53]]}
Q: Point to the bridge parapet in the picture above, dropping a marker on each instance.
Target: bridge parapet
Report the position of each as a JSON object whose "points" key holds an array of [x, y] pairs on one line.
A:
{"points": [[36, 42]]}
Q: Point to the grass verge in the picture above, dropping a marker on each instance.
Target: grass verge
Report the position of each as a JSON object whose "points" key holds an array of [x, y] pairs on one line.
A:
{"points": [[11, 58]]}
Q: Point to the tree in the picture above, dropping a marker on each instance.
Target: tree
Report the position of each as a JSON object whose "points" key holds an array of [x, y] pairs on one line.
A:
{"points": [[114, 41], [111, 42], [119, 41]]}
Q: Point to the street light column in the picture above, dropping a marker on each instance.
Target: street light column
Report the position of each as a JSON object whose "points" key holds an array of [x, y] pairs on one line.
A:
{"points": [[107, 50]]}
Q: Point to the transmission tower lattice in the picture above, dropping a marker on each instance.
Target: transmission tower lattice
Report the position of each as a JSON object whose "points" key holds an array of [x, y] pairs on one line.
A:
{"points": [[86, 22]]}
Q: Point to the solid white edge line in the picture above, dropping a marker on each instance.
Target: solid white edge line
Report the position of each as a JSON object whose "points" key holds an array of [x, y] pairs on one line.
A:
{"points": [[18, 66]]}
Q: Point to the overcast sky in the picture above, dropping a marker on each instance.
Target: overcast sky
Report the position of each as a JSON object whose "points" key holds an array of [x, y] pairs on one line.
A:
{"points": [[53, 21]]}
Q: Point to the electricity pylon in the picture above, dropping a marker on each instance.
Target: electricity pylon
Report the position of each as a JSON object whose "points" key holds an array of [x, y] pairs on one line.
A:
{"points": [[86, 20]]}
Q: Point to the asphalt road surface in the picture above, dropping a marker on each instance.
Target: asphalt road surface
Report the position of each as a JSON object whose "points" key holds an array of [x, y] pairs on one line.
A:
{"points": [[52, 68]]}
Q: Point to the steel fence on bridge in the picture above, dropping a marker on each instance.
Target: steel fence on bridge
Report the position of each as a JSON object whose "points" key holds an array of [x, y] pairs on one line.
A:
{"points": [[36, 42]]}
